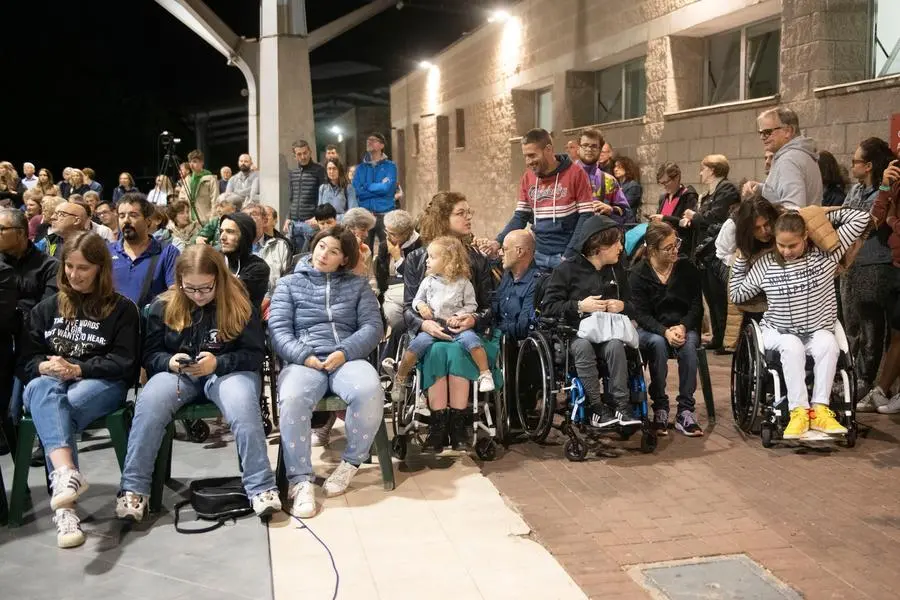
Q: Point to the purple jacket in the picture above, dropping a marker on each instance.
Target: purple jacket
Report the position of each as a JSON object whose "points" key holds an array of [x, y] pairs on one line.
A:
{"points": [[607, 189]]}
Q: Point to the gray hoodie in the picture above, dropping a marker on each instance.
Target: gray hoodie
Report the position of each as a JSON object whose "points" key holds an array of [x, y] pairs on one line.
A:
{"points": [[795, 180]]}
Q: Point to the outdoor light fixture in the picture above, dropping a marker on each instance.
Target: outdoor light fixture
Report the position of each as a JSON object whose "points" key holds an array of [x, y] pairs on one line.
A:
{"points": [[425, 65], [335, 130], [498, 16]]}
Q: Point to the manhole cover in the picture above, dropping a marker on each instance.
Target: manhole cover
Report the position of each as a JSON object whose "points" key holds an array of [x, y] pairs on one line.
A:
{"points": [[718, 578]]}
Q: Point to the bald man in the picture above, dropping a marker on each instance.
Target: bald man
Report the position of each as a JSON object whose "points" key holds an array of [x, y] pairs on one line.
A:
{"points": [[246, 182], [514, 301], [68, 219]]}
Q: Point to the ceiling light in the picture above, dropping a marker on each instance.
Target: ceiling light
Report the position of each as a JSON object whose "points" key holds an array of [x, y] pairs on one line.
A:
{"points": [[335, 130], [424, 64], [498, 16]]}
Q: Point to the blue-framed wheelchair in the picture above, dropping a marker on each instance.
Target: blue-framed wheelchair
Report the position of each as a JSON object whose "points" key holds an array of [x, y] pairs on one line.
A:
{"points": [[759, 396], [547, 386], [490, 416]]}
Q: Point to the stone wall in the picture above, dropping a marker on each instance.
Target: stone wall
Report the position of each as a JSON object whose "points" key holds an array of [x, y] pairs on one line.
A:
{"points": [[493, 73]]}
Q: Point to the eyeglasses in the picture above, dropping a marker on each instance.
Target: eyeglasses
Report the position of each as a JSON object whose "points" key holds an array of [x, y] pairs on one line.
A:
{"points": [[191, 291], [857, 161], [672, 247], [464, 213], [765, 133], [61, 213], [665, 182], [590, 146]]}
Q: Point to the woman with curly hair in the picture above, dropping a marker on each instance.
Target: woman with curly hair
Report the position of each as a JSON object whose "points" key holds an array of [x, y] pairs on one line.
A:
{"points": [[629, 177], [11, 187]]}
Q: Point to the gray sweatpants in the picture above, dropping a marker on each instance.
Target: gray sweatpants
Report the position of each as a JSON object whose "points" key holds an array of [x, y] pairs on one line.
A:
{"points": [[612, 353]]}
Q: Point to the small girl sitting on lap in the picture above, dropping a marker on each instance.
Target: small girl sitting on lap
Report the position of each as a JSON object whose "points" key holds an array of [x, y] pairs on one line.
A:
{"points": [[446, 295]]}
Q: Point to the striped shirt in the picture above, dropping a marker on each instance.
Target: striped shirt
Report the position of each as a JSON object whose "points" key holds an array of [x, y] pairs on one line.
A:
{"points": [[800, 293]]}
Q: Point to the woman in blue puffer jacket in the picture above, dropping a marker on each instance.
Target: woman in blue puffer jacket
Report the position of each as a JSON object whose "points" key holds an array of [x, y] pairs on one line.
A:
{"points": [[324, 322]]}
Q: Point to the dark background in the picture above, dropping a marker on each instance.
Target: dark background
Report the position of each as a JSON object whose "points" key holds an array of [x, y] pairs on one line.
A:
{"points": [[93, 83]]}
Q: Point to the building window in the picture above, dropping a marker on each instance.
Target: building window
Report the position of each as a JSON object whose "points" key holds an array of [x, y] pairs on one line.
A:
{"points": [[621, 92], [543, 103], [460, 128], [415, 139], [885, 37], [743, 64]]}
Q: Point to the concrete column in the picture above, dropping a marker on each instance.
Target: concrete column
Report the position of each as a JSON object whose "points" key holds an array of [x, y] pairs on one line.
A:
{"points": [[285, 96]]}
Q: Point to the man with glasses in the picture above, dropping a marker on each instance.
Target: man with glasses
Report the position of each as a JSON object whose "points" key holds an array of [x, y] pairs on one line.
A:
{"points": [[142, 268], [609, 199], [303, 193], [794, 180], [402, 238], [555, 195], [514, 300], [34, 278], [375, 182], [275, 251], [606, 161], [68, 219], [106, 213]]}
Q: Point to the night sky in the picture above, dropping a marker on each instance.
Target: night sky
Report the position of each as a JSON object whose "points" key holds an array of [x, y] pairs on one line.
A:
{"points": [[93, 83]]}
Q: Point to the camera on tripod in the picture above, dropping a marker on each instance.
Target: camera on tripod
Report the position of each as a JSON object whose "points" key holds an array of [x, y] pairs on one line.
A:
{"points": [[168, 141]]}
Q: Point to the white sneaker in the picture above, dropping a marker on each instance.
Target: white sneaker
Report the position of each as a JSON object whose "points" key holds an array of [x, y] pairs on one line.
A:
{"points": [[389, 366], [131, 506], [872, 401], [892, 407], [67, 485], [322, 435], [339, 480], [486, 382], [303, 497], [266, 504], [68, 528]]}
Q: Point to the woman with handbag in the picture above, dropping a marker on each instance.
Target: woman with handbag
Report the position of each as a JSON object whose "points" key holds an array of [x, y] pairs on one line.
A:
{"points": [[668, 307], [595, 281], [203, 340]]}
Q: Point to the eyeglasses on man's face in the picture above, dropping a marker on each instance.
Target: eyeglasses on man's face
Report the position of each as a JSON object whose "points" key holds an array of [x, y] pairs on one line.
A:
{"points": [[59, 214], [766, 133]]}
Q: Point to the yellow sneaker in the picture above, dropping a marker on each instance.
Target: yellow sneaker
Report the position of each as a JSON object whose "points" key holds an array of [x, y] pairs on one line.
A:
{"points": [[823, 420], [799, 424]]}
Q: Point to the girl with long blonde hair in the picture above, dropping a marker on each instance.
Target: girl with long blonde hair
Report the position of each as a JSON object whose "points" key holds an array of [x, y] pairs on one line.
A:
{"points": [[203, 341], [80, 359]]}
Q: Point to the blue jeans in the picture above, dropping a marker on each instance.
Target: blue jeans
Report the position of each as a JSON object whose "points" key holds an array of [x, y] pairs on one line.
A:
{"points": [[300, 389], [655, 349], [423, 341], [236, 395], [547, 261], [60, 409], [302, 235]]}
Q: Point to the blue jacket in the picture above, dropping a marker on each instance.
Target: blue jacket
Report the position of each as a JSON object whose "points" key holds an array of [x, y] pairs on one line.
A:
{"points": [[133, 279], [315, 313], [341, 200], [514, 302], [375, 184]]}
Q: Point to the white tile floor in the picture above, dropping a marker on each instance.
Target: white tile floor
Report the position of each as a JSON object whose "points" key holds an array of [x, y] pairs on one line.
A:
{"points": [[445, 532]]}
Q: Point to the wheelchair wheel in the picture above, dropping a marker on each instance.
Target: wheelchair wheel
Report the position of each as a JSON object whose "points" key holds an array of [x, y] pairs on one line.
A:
{"points": [[767, 434], [486, 449], [197, 431], [850, 438], [746, 380], [575, 450], [534, 387]]}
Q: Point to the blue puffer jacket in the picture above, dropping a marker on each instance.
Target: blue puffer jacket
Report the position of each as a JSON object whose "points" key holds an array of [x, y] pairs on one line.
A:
{"points": [[315, 313]]}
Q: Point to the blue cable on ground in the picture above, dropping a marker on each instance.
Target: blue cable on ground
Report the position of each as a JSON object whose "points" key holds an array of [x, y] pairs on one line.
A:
{"points": [[337, 576]]}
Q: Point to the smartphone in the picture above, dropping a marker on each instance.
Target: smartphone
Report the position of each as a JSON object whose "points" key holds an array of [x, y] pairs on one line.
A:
{"points": [[186, 362]]}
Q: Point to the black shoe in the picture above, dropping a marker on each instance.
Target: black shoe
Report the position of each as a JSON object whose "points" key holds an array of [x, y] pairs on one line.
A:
{"points": [[625, 414], [459, 430], [601, 416], [437, 432]]}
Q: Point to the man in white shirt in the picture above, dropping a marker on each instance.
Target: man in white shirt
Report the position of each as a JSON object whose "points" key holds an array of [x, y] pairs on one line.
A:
{"points": [[29, 179], [246, 182]]}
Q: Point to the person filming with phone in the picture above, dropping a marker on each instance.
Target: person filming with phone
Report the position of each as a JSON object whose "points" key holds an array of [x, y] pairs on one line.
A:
{"points": [[204, 340]]}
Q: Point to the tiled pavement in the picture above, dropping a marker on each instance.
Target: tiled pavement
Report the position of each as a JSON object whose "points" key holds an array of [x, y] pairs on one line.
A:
{"points": [[826, 522]]}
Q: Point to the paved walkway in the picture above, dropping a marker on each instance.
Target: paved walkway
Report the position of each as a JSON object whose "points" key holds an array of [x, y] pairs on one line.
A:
{"points": [[825, 522]]}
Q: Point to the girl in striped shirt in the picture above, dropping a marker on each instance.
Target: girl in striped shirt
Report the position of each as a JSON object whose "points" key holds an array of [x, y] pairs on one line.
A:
{"points": [[798, 281]]}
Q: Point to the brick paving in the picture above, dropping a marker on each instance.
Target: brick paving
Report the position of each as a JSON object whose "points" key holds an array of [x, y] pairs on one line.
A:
{"points": [[825, 522]]}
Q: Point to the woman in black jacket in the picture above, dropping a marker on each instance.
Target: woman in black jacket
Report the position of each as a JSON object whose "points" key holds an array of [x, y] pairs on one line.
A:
{"points": [[81, 358], [673, 201], [594, 281], [668, 307], [447, 368], [204, 341], [715, 206]]}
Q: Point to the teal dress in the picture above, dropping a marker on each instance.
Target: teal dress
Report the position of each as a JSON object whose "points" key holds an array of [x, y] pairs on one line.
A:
{"points": [[450, 358]]}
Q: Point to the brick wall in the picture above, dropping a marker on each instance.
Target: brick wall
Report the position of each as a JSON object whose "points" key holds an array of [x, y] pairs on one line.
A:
{"points": [[492, 75]]}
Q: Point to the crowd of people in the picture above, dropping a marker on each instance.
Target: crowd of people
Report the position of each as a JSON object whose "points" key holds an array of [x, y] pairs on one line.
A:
{"points": [[180, 288]]}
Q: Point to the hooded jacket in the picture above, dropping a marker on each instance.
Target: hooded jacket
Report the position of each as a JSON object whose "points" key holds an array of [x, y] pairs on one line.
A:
{"points": [[557, 203], [249, 268], [104, 349], [657, 306], [576, 279], [244, 353], [35, 276], [303, 189], [375, 184], [711, 214], [315, 313], [794, 180]]}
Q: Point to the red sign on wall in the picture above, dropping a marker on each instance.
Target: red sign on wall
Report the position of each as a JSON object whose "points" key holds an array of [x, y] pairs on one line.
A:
{"points": [[895, 133]]}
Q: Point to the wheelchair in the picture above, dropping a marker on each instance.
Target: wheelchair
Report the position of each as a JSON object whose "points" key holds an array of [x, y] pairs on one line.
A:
{"points": [[758, 395], [490, 417], [547, 386]]}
